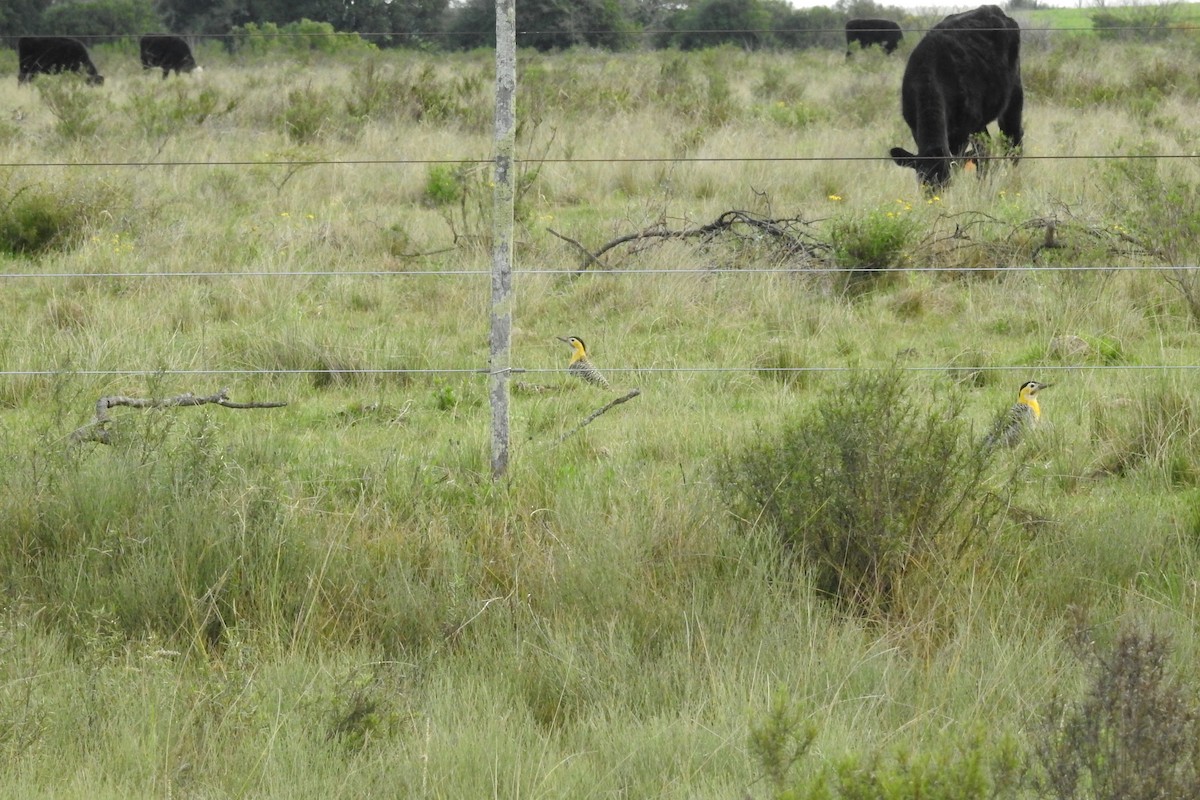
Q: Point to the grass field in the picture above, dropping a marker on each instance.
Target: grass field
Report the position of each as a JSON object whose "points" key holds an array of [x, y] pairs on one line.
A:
{"points": [[334, 599]]}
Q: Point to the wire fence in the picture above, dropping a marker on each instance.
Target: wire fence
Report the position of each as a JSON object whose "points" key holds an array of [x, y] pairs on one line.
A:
{"points": [[100, 38], [957, 369], [574, 160], [1157, 29]]}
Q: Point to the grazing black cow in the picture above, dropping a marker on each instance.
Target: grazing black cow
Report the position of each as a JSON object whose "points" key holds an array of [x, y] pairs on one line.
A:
{"points": [[160, 50], [54, 54], [964, 74], [867, 32]]}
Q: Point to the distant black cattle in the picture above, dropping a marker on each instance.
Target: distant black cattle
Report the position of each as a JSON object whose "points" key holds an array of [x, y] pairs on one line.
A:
{"points": [[160, 50], [53, 54], [867, 32], [964, 74]]}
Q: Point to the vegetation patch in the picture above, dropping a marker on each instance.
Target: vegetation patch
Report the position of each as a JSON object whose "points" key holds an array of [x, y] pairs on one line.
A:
{"points": [[875, 493]]}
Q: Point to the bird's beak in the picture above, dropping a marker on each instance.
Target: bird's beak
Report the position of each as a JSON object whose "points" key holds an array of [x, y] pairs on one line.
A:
{"points": [[563, 339]]}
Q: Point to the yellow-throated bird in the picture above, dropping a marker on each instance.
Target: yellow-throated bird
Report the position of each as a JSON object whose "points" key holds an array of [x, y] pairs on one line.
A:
{"points": [[579, 364], [1024, 414]]}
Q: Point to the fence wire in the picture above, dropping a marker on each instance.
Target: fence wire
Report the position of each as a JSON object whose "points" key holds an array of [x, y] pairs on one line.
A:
{"points": [[1158, 30]]}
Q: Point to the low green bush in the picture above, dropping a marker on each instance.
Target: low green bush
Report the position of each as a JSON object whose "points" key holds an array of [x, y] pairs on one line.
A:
{"points": [[77, 107], [867, 245], [304, 36], [872, 489], [37, 219]]}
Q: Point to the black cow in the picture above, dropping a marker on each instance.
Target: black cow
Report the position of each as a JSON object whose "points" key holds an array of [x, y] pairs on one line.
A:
{"points": [[867, 32], [160, 50], [54, 54], [964, 74]]}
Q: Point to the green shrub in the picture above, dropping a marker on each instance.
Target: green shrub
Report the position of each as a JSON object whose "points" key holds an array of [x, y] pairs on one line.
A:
{"points": [[309, 115], [871, 490], [374, 91], [76, 106], [164, 110], [304, 36], [866, 246], [1134, 735], [976, 769], [37, 219], [444, 185], [779, 742]]}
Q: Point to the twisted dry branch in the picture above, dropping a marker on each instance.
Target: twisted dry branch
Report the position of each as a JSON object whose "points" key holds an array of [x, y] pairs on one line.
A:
{"points": [[788, 234], [98, 429]]}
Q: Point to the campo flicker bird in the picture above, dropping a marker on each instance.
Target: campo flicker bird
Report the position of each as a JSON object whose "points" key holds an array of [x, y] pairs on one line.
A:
{"points": [[1023, 415], [579, 365]]}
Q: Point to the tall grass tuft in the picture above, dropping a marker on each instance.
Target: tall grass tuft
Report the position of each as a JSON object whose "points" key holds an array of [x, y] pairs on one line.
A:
{"points": [[1157, 431]]}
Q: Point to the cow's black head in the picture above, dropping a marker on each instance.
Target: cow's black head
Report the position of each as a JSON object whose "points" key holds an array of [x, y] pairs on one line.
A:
{"points": [[933, 171]]}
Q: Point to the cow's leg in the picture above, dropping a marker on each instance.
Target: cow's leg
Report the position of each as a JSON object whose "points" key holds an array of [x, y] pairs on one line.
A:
{"points": [[1010, 121]]}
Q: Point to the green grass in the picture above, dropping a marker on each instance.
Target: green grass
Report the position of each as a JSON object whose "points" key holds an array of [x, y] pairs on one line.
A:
{"points": [[334, 599]]}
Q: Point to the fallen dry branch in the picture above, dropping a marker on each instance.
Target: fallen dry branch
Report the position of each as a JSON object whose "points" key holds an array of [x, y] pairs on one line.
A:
{"points": [[632, 393], [97, 430], [789, 235]]}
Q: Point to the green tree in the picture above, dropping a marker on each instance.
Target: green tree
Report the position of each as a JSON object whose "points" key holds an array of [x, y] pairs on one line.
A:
{"points": [[18, 17], [101, 18], [407, 22], [546, 24], [745, 23], [202, 16]]}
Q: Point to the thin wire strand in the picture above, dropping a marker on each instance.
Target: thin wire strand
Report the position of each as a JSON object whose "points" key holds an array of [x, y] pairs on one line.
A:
{"points": [[548, 160], [605, 272], [839, 31], [607, 369]]}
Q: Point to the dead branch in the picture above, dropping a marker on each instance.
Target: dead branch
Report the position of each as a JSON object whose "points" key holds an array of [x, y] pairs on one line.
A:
{"points": [[591, 258], [98, 429], [632, 393], [787, 233]]}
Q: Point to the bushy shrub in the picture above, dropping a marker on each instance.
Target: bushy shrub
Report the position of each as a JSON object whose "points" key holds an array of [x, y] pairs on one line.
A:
{"points": [[779, 742], [444, 184], [36, 219], [309, 114], [870, 489], [77, 108], [304, 36], [164, 110], [867, 245], [974, 769], [425, 94], [1134, 735]]}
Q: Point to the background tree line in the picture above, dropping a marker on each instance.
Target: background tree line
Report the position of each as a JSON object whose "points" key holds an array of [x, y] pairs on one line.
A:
{"points": [[462, 24]]}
